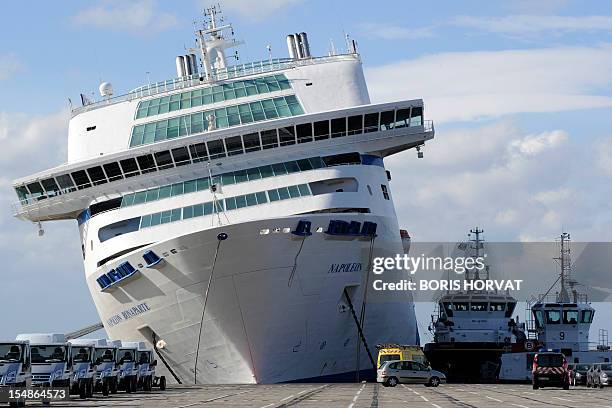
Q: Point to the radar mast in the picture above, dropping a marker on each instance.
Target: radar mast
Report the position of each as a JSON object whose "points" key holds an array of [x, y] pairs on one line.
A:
{"points": [[565, 276], [212, 43]]}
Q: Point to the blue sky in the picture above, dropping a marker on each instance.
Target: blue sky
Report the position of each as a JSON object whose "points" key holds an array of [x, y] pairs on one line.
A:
{"points": [[520, 91]]}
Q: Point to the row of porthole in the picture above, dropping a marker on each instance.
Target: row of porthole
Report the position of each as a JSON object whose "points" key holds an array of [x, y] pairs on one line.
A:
{"points": [[335, 227]]}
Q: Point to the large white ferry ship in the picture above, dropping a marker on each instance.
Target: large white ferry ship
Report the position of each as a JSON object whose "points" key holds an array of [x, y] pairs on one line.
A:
{"points": [[229, 216]]}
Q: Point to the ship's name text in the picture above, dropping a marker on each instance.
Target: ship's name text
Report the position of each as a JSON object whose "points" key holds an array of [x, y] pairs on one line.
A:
{"points": [[127, 314], [345, 267]]}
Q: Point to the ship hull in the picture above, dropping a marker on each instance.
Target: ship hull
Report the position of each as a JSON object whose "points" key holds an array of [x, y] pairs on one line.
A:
{"points": [[275, 310], [466, 361]]}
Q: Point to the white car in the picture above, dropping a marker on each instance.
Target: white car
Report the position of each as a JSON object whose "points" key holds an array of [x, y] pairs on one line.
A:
{"points": [[599, 375], [392, 373]]}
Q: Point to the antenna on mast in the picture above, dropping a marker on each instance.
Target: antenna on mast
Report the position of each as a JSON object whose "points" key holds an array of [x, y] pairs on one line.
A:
{"points": [[476, 244], [565, 277], [211, 43]]}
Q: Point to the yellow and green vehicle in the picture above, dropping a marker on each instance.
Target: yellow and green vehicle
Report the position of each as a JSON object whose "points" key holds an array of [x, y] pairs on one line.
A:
{"points": [[392, 352]]}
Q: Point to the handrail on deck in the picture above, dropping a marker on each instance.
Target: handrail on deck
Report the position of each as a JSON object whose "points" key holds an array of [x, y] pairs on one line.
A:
{"points": [[235, 71]]}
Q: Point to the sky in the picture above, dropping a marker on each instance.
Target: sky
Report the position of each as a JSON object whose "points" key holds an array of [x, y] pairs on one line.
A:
{"points": [[520, 93]]}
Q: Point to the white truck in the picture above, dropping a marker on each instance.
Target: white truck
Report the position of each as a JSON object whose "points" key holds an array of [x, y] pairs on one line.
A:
{"points": [[50, 358], [126, 360], [83, 367], [15, 366], [146, 364], [105, 362]]}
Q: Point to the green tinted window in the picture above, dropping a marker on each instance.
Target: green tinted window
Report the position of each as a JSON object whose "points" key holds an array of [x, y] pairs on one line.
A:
{"points": [[229, 204], [208, 95], [224, 117], [273, 195]]}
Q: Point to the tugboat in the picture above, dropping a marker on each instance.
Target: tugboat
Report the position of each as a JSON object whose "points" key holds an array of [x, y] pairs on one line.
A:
{"points": [[473, 328], [560, 321]]}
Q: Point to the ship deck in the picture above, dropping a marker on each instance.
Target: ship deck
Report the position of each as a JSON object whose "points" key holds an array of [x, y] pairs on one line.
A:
{"points": [[355, 396]]}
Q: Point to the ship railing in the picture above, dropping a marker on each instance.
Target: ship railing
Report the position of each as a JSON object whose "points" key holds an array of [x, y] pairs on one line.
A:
{"points": [[235, 71], [63, 196], [595, 346], [552, 298], [33, 205]]}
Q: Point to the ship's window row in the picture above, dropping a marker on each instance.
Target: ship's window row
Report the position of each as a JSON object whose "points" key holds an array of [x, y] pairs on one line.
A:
{"points": [[212, 94], [483, 306], [228, 204], [233, 177], [215, 149], [187, 125], [250, 174], [544, 317]]}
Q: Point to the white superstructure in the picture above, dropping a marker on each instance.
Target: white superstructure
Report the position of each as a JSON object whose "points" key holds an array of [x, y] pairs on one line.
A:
{"points": [[473, 327], [560, 321], [226, 215]]}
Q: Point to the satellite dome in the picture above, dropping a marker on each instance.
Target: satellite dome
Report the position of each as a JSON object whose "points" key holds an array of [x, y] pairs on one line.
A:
{"points": [[106, 89]]}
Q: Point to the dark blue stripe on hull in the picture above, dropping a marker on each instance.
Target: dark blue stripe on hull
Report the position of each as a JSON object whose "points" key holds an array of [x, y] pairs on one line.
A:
{"points": [[350, 376]]}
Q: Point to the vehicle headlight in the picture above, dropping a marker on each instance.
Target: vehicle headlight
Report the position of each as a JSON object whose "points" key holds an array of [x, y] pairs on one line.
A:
{"points": [[604, 375], [578, 375]]}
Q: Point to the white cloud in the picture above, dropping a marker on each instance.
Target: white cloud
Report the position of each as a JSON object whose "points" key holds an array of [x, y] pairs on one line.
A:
{"points": [[38, 266], [32, 143], [388, 31], [519, 186], [29, 144], [506, 217], [9, 65], [472, 85], [603, 156], [527, 25], [255, 10], [553, 197], [139, 16], [533, 145]]}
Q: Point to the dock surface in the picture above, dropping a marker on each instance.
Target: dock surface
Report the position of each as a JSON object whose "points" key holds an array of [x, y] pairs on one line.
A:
{"points": [[349, 395]]}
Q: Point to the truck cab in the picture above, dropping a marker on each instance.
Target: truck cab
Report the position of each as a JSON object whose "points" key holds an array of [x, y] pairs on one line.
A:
{"points": [[145, 364], [106, 366], [51, 359], [128, 370], [15, 366], [83, 367]]}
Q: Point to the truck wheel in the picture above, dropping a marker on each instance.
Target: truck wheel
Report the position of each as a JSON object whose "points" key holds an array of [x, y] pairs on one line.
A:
{"points": [[90, 388], [82, 389], [114, 386], [128, 385], [162, 383], [105, 387], [148, 384]]}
